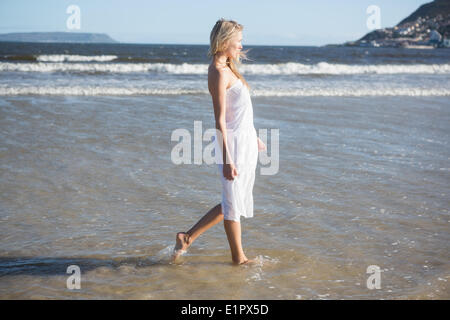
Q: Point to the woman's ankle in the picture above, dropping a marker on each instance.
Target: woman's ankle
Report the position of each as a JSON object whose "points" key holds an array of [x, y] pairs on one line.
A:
{"points": [[186, 238], [239, 260]]}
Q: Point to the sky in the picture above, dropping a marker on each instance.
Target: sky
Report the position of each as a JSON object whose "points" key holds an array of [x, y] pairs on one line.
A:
{"points": [[282, 22]]}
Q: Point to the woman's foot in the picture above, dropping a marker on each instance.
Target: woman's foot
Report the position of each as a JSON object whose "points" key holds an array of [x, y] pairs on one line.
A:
{"points": [[183, 242], [243, 261]]}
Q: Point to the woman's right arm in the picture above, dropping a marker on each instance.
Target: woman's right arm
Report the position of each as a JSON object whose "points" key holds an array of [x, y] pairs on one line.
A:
{"points": [[218, 92]]}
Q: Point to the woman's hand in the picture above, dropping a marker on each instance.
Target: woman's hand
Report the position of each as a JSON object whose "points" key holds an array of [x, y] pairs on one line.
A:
{"points": [[229, 171], [261, 145]]}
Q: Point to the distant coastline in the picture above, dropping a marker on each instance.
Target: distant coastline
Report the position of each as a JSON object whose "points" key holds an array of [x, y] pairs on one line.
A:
{"points": [[426, 28], [58, 37]]}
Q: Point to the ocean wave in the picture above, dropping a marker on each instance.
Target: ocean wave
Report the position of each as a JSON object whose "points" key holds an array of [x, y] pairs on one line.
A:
{"points": [[349, 92], [93, 91], [169, 68], [291, 68], [74, 58], [121, 91], [325, 68]]}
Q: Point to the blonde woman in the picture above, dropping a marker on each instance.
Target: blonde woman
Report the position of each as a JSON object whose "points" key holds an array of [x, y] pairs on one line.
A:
{"points": [[237, 144]]}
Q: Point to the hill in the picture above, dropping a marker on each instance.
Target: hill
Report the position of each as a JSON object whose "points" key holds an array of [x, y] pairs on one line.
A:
{"points": [[65, 37], [427, 27]]}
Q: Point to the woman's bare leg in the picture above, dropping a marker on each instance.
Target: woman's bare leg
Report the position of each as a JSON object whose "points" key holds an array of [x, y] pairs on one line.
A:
{"points": [[185, 239], [211, 218], [233, 231]]}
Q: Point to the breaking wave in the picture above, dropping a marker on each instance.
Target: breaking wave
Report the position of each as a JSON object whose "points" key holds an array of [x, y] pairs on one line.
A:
{"points": [[74, 58], [57, 63], [123, 91]]}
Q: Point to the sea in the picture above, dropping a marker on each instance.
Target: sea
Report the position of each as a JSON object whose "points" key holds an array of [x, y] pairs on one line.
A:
{"points": [[351, 197]]}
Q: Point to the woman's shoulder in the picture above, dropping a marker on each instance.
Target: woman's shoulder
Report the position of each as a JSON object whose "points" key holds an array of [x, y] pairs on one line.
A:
{"points": [[218, 75], [214, 72]]}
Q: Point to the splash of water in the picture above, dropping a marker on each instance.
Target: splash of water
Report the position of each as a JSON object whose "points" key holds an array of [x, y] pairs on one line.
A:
{"points": [[163, 256], [259, 262]]}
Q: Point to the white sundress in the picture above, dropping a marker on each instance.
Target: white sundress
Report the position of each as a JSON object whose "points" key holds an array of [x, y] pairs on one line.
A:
{"points": [[237, 194]]}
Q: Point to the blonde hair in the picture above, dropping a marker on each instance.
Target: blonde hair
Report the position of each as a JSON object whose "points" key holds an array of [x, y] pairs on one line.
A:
{"points": [[221, 33]]}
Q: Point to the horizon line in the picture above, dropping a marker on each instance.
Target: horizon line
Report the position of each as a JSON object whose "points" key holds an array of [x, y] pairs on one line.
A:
{"points": [[155, 43]]}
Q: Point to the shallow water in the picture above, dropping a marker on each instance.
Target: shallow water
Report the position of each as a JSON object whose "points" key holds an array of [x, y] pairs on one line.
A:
{"points": [[89, 181]]}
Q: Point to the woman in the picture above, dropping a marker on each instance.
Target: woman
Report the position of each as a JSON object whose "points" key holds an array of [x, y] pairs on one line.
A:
{"points": [[237, 144]]}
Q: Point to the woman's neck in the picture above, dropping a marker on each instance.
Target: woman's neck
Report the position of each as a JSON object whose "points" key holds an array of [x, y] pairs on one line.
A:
{"points": [[220, 61]]}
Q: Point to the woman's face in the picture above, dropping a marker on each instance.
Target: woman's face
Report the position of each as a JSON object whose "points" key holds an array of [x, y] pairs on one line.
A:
{"points": [[235, 45]]}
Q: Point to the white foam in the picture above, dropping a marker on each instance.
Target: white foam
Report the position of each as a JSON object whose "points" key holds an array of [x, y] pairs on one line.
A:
{"points": [[74, 58], [123, 91], [93, 91], [349, 92], [291, 68], [184, 68], [260, 260]]}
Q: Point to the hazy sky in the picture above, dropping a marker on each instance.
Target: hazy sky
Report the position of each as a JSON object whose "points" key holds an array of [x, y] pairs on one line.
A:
{"points": [[282, 22]]}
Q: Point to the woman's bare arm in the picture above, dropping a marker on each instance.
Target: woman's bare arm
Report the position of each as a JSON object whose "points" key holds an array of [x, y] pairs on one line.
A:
{"points": [[217, 88]]}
